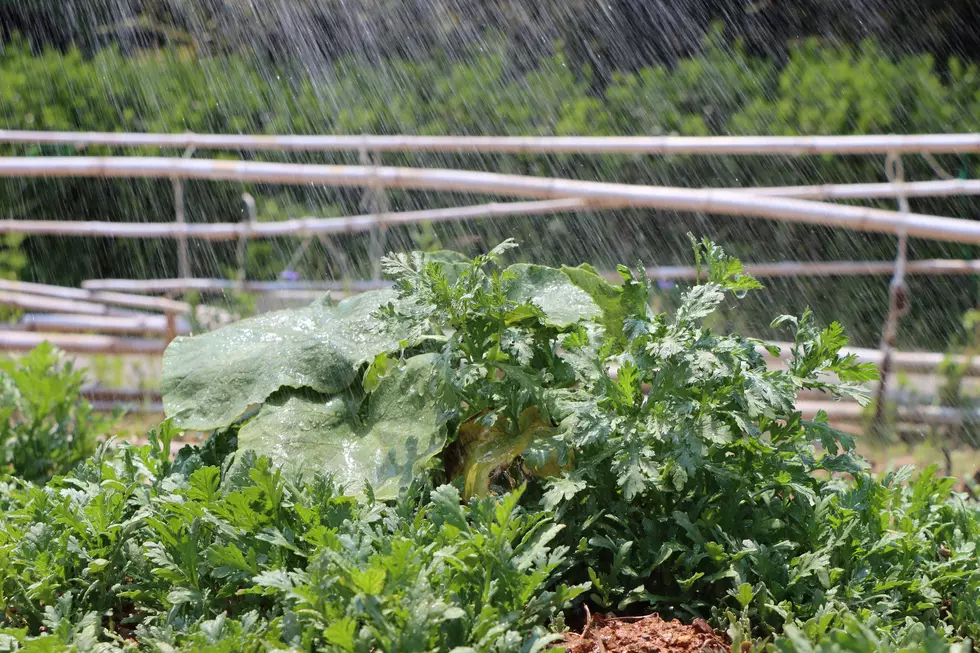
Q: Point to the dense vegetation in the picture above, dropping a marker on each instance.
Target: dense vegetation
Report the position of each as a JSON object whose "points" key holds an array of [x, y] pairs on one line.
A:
{"points": [[618, 35], [818, 89], [468, 459]]}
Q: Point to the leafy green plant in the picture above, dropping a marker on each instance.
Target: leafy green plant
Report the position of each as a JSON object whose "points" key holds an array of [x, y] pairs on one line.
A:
{"points": [[199, 553], [673, 455], [699, 487], [856, 636], [46, 427], [593, 451], [457, 349]]}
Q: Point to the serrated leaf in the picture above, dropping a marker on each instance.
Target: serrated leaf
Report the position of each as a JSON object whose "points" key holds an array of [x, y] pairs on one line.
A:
{"points": [[275, 579]]}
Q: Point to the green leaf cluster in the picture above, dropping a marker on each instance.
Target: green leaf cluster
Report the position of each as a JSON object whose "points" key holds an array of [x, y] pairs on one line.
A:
{"points": [[46, 426], [138, 550], [372, 389], [451, 462]]}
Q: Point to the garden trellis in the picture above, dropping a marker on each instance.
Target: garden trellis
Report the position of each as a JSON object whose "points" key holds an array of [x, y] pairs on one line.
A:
{"points": [[56, 316]]}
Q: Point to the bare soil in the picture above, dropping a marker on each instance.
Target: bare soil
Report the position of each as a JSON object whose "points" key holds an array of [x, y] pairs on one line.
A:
{"points": [[647, 634]]}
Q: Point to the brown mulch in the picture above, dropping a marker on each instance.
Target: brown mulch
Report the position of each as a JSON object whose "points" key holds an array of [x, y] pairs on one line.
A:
{"points": [[648, 634]]}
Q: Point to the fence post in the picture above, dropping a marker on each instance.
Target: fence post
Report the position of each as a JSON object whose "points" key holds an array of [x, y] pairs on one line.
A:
{"points": [[251, 217], [377, 205], [898, 299], [171, 326], [183, 258]]}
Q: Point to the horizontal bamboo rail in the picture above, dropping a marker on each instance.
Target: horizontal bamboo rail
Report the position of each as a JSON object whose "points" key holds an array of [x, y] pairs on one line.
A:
{"points": [[889, 190], [29, 302], [913, 362], [362, 223], [33, 296], [905, 361], [295, 227], [13, 340], [919, 415], [71, 323], [940, 267], [18, 340], [98, 392], [838, 412], [131, 407], [163, 286], [724, 202], [107, 298], [740, 145]]}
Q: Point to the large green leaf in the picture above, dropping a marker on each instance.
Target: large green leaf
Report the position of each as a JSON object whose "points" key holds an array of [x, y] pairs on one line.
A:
{"points": [[606, 295], [401, 430], [211, 380], [553, 292]]}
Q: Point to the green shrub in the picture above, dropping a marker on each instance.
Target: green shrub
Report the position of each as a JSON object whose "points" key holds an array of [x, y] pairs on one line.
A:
{"points": [[200, 554], [450, 463], [706, 495], [46, 426]]}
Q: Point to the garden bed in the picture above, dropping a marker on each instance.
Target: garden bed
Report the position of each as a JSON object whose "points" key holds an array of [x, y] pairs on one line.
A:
{"points": [[450, 465]]}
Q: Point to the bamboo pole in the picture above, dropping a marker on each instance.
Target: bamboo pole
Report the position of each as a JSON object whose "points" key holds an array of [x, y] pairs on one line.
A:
{"points": [[139, 407], [163, 286], [13, 340], [939, 188], [906, 361], [171, 330], [311, 289], [898, 298], [29, 302], [81, 323], [725, 202], [302, 227], [826, 269], [309, 226], [108, 298], [158, 304], [10, 339], [737, 145], [180, 215], [97, 392], [920, 415]]}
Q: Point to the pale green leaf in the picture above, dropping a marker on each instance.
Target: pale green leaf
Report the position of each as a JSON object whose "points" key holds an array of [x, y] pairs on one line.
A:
{"points": [[562, 302], [400, 432], [210, 381]]}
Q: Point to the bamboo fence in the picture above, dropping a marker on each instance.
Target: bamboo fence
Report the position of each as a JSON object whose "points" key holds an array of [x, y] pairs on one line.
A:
{"points": [[30, 302], [659, 145], [304, 289], [712, 201], [105, 298], [16, 340], [310, 226], [128, 324], [165, 286], [99, 306]]}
